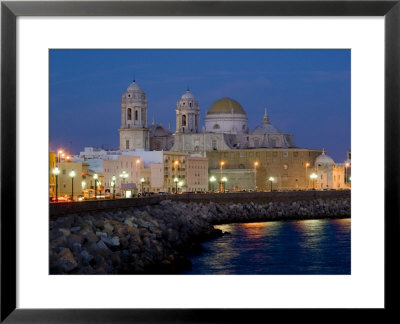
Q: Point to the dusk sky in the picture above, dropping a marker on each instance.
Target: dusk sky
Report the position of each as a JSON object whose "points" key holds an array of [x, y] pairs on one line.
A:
{"points": [[307, 92]]}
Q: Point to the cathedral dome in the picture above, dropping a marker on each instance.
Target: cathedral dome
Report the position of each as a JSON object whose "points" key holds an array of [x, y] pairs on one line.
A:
{"points": [[324, 160], [226, 106]]}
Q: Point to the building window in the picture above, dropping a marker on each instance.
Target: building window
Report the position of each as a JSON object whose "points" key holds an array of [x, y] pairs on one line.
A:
{"points": [[274, 154], [295, 154], [190, 104], [129, 114], [136, 115], [183, 120], [285, 154], [214, 144], [216, 126], [285, 166]]}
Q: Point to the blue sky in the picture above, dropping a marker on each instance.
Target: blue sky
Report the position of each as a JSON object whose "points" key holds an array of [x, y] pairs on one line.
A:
{"points": [[307, 92]]}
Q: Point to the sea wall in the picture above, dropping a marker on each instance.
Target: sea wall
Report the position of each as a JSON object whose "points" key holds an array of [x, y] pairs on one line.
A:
{"points": [[153, 238], [58, 209]]}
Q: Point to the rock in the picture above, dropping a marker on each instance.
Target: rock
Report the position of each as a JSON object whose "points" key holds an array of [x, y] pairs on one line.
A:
{"points": [[111, 241], [65, 231], [75, 229], [67, 261]]}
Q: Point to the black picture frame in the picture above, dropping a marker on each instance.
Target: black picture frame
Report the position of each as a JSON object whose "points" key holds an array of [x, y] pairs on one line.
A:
{"points": [[10, 10]]}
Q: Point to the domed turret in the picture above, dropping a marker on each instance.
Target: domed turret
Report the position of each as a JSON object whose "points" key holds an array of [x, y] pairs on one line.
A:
{"points": [[133, 92], [265, 127], [324, 160]]}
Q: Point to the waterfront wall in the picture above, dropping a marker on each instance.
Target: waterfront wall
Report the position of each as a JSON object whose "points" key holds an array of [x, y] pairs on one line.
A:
{"points": [[153, 238], [58, 209]]}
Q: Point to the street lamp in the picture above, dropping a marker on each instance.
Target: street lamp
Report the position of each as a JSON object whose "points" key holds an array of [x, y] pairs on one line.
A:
{"points": [[212, 180], [180, 183], [56, 172], [123, 175], [142, 180], [224, 179], [313, 176], [271, 180], [221, 164], [72, 174], [114, 180], [307, 165], [255, 173], [95, 177], [176, 180]]}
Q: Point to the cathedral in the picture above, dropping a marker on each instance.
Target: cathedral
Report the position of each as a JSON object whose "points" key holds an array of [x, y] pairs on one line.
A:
{"points": [[225, 127], [247, 158]]}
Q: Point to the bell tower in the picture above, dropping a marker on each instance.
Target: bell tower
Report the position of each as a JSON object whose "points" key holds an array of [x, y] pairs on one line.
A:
{"points": [[134, 133], [187, 114]]}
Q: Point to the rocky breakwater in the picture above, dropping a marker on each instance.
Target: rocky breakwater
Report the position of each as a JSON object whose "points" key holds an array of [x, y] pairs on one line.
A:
{"points": [[153, 239]]}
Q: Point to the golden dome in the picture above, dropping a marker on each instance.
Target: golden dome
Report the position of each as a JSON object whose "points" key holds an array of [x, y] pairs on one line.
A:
{"points": [[226, 106]]}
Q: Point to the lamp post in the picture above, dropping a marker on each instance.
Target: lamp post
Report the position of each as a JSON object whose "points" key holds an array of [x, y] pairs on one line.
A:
{"points": [[123, 175], [212, 180], [114, 179], [180, 183], [72, 174], [142, 180], [255, 173], [95, 177], [221, 164], [56, 172], [307, 165], [313, 176], [176, 180], [99, 183], [224, 180], [271, 180]]}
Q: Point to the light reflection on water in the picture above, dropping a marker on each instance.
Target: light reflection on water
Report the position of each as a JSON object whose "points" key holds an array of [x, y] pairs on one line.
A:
{"points": [[282, 247]]}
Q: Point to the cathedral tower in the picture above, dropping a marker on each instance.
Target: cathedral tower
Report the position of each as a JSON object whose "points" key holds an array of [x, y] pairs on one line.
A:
{"points": [[187, 114], [134, 133]]}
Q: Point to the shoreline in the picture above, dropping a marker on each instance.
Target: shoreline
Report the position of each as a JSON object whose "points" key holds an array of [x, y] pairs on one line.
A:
{"points": [[154, 239]]}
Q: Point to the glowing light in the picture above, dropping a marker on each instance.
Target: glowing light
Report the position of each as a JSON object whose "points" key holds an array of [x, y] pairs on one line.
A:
{"points": [[124, 175], [142, 180], [56, 171], [95, 176], [180, 183], [83, 184], [72, 174], [271, 179], [222, 163], [256, 164], [114, 178], [224, 179], [176, 179], [307, 164], [212, 179], [313, 176]]}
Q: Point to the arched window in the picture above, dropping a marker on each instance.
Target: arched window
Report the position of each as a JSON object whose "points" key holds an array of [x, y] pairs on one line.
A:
{"points": [[183, 120], [136, 115], [127, 146], [216, 126], [190, 104], [129, 114]]}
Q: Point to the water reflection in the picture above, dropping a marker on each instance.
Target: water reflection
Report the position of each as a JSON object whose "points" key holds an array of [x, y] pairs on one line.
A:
{"points": [[280, 247]]}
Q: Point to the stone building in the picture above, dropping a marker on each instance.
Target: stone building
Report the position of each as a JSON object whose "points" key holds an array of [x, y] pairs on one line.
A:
{"points": [[52, 177]]}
